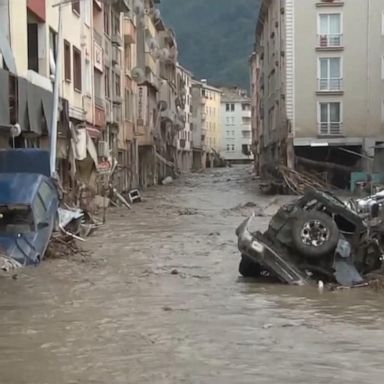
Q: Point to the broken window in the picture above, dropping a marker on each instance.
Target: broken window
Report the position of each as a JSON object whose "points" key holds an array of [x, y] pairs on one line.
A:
{"points": [[16, 219]]}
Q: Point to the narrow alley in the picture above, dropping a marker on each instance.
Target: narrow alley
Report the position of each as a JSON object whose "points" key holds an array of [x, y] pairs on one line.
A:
{"points": [[159, 300]]}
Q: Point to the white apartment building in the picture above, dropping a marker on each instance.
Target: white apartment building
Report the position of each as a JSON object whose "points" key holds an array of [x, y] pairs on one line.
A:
{"points": [[184, 140], [320, 86], [236, 125]]}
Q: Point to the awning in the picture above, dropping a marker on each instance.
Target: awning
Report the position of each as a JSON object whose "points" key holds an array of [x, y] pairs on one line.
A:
{"points": [[162, 160], [94, 133]]}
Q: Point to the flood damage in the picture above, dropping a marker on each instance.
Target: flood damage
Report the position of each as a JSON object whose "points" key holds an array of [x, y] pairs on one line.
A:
{"points": [[317, 237]]}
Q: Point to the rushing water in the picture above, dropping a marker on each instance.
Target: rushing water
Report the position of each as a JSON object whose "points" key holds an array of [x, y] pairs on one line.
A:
{"points": [[160, 301]]}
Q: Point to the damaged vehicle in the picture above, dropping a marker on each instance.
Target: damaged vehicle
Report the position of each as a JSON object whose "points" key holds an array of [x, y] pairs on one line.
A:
{"points": [[317, 237], [29, 202]]}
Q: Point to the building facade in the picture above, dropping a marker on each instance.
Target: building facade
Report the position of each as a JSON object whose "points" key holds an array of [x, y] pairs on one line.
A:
{"points": [[320, 85], [199, 132], [184, 141], [211, 117], [236, 125], [125, 103]]}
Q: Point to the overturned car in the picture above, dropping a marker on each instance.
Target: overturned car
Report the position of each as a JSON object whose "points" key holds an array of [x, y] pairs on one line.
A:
{"points": [[317, 237]]}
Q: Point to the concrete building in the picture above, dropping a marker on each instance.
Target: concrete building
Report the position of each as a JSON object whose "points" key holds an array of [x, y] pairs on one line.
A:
{"points": [[236, 125], [212, 120], [199, 132], [184, 141], [320, 85]]}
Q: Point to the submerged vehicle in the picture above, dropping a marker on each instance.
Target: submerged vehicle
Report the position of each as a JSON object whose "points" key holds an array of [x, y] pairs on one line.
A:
{"points": [[29, 202], [317, 237]]}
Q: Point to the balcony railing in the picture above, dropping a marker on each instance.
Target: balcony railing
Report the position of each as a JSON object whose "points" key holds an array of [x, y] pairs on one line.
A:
{"points": [[330, 85], [330, 128], [330, 41]]}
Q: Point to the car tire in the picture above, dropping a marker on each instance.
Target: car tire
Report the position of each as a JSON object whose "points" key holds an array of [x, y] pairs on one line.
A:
{"points": [[249, 268], [315, 234]]}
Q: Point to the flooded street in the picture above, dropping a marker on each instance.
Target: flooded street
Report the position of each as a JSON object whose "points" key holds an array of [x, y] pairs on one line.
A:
{"points": [[160, 301]]}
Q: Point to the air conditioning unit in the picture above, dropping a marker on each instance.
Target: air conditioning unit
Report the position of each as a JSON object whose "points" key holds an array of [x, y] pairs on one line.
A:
{"points": [[103, 149]]}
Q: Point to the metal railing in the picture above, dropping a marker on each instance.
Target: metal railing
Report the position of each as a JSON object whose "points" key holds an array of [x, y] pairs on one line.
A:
{"points": [[330, 84], [330, 128], [330, 41]]}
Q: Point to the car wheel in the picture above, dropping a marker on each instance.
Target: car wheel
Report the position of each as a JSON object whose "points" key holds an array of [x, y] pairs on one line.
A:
{"points": [[315, 234], [249, 268]]}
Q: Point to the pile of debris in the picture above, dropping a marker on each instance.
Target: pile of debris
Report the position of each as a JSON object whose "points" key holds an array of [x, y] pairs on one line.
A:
{"points": [[284, 180]]}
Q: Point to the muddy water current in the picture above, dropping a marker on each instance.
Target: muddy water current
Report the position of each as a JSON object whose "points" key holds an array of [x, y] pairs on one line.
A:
{"points": [[159, 300]]}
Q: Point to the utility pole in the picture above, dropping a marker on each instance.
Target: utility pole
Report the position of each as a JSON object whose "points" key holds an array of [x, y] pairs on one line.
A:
{"points": [[56, 89]]}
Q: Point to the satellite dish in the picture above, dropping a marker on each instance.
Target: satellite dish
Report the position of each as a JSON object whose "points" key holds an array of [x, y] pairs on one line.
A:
{"points": [[15, 130], [138, 75], [156, 14]]}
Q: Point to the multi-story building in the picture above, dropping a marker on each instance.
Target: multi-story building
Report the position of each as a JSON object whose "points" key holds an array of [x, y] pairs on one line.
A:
{"points": [[212, 118], [236, 125], [320, 85], [255, 102], [199, 132], [184, 141]]}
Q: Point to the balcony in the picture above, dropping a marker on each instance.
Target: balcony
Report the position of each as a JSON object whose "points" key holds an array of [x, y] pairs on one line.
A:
{"points": [[334, 86], [330, 42], [129, 31], [330, 128]]}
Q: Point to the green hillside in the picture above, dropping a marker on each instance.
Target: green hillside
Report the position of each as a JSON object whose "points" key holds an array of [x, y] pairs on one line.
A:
{"points": [[215, 37]]}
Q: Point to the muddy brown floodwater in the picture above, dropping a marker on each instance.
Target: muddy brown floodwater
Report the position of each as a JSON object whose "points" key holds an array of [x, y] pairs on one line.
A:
{"points": [[160, 301]]}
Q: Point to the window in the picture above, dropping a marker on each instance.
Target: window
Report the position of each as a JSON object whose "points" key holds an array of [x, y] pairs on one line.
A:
{"points": [[272, 119], [228, 132], [330, 74], [97, 85], [330, 121], [107, 80], [227, 120], [52, 51], [245, 107], [33, 47], [116, 24], [87, 11], [77, 69], [76, 7], [128, 105], [88, 78], [246, 120], [232, 107], [228, 147], [117, 85], [227, 107], [330, 30], [233, 133], [106, 19], [233, 120], [45, 192], [233, 147], [39, 210], [67, 61]]}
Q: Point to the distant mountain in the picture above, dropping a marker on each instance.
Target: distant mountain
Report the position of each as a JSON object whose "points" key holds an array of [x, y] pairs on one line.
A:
{"points": [[215, 37]]}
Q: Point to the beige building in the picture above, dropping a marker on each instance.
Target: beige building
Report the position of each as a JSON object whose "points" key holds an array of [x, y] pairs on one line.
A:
{"points": [[319, 81], [211, 117]]}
